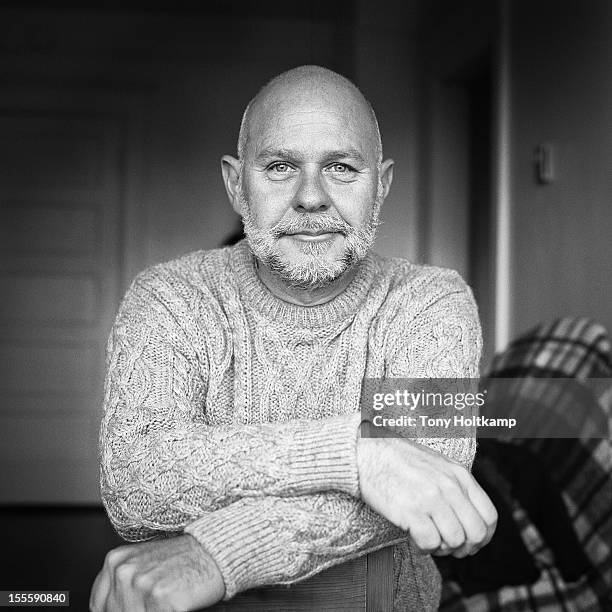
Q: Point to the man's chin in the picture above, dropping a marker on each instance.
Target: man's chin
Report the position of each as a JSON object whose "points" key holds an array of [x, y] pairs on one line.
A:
{"points": [[308, 279], [305, 263]]}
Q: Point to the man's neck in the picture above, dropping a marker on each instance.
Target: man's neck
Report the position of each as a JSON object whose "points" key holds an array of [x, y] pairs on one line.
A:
{"points": [[303, 297]]}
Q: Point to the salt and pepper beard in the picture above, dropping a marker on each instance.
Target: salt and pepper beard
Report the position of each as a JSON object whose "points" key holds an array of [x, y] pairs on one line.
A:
{"points": [[313, 271]]}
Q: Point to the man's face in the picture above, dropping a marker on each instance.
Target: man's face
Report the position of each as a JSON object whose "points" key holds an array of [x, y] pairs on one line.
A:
{"points": [[310, 190]]}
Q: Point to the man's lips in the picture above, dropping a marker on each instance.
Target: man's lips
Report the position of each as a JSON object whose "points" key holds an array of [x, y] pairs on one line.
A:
{"points": [[312, 235]]}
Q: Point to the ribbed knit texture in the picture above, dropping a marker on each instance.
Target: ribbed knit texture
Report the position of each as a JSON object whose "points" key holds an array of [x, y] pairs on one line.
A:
{"points": [[233, 415]]}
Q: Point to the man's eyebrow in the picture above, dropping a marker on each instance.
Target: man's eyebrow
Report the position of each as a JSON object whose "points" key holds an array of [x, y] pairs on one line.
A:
{"points": [[345, 154], [280, 152], [270, 152]]}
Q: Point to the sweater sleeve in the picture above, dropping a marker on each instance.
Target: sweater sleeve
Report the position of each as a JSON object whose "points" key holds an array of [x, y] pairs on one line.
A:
{"points": [[162, 465], [282, 540]]}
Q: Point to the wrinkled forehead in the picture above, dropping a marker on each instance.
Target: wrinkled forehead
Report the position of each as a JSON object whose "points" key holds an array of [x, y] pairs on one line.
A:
{"points": [[312, 122]]}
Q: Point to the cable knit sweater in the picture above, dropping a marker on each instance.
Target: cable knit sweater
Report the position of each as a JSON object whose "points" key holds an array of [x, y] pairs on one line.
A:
{"points": [[232, 415]]}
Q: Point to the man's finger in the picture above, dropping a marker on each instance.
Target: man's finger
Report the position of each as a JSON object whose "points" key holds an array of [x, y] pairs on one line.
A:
{"points": [[477, 532], [99, 592], [481, 502], [128, 591], [449, 527], [425, 534], [443, 551], [485, 508]]}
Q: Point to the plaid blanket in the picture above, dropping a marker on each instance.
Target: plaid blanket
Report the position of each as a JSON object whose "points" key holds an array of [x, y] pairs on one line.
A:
{"points": [[582, 468]]}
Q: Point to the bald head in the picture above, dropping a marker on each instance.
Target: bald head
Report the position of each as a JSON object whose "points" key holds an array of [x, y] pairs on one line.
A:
{"points": [[309, 87], [309, 179]]}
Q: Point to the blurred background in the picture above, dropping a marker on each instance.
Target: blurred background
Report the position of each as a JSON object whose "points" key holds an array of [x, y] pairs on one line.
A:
{"points": [[113, 119]]}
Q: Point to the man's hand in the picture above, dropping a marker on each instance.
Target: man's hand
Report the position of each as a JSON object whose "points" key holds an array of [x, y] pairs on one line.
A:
{"points": [[169, 575], [421, 491]]}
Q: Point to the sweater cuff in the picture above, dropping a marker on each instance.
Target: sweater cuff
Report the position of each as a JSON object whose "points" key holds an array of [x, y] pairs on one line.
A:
{"points": [[244, 545], [324, 456]]}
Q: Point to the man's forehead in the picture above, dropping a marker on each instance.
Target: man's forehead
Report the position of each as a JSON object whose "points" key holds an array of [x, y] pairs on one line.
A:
{"points": [[297, 120], [311, 127]]}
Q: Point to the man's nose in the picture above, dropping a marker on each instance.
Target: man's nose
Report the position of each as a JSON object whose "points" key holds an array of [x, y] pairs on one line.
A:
{"points": [[311, 195]]}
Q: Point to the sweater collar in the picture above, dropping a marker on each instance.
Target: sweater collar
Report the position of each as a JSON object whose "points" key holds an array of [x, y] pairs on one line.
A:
{"points": [[257, 296]]}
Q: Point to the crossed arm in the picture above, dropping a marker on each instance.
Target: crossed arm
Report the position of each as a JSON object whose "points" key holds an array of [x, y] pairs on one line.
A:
{"points": [[271, 503]]}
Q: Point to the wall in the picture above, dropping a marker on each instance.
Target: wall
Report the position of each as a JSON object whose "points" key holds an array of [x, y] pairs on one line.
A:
{"points": [[456, 46], [385, 68], [562, 95]]}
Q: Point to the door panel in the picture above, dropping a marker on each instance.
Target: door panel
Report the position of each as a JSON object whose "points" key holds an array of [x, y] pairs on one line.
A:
{"points": [[60, 212]]}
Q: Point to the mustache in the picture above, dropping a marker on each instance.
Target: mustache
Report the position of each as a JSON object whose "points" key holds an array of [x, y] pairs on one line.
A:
{"points": [[310, 222]]}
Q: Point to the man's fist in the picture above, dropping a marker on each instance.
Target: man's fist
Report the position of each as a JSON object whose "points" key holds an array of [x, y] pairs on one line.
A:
{"points": [[161, 575], [421, 491]]}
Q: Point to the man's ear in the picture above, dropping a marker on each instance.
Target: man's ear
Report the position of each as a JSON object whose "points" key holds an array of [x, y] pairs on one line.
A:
{"points": [[230, 169], [386, 176]]}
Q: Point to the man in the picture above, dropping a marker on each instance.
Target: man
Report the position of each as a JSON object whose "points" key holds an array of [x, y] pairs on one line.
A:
{"points": [[232, 400]]}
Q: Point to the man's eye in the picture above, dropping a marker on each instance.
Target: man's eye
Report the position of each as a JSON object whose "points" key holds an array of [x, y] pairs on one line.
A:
{"points": [[281, 168], [339, 168]]}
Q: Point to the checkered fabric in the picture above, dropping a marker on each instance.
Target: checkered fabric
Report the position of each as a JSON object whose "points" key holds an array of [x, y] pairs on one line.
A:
{"points": [[582, 469]]}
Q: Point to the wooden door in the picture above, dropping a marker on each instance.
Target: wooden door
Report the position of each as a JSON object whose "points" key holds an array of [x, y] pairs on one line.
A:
{"points": [[60, 224]]}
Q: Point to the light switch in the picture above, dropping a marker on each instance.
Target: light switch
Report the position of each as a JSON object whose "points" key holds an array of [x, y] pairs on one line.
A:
{"points": [[544, 166]]}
